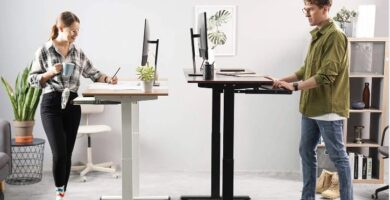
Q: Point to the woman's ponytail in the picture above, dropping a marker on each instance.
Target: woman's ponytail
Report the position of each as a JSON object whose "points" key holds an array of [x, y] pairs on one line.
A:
{"points": [[54, 32]]}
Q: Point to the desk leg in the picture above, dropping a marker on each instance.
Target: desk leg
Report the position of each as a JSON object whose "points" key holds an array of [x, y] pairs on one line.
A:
{"points": [[228, 147], [216, 144], [130, 155], [215, 149], [136, 153], [127, 151], [127, 168], [135, 133], [215, 153]]}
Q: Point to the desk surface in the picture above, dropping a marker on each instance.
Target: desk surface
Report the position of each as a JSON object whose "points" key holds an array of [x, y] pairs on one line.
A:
{"points": [[223, 79], [157, 91]]}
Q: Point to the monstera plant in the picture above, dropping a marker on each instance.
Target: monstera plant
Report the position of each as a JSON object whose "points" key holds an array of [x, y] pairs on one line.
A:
{"points": [[24, 100], [214, 34]]}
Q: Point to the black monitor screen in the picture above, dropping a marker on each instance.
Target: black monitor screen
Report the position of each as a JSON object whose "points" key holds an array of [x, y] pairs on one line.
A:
{"points": [[202, 27], [145, 45]]}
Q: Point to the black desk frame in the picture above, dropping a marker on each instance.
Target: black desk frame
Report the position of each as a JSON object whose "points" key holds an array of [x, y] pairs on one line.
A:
{"points": [[228, 89]]}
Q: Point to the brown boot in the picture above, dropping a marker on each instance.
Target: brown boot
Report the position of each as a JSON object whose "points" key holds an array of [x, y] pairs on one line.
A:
{"points": [[323, 182], [333, 192]]}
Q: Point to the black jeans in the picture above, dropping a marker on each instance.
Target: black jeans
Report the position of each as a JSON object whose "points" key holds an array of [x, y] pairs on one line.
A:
{"points": [[61, 127]]}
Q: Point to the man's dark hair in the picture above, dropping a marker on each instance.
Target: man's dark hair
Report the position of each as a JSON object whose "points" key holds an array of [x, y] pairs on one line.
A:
{"points": [[319, 3]]}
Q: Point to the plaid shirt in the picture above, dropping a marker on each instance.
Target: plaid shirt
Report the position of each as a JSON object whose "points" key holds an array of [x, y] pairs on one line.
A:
{"points": [[48, 55]]}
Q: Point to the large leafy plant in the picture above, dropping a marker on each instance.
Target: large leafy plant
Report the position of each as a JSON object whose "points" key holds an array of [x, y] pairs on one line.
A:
{"points": [[24, 98], [215, 35], [145, 73]]}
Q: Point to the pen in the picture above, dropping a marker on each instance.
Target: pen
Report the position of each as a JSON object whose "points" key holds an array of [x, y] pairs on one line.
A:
{"points": [[116, 72]]}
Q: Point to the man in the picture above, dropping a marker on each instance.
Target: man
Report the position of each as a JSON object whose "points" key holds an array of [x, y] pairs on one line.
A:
{"points": [[324, 100]]}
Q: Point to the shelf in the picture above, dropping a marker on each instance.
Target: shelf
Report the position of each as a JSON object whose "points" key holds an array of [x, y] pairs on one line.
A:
{"points": [[368, 60], [370, 110], [365, 75], [376, 39], [366, 143], [368, 181]]}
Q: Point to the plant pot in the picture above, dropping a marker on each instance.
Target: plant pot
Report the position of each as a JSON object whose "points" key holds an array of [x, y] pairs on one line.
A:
{"points": [[23, 131], [348, 28], [147, 86]]}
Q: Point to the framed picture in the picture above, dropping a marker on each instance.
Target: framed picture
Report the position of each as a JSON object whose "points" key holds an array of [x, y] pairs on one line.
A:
{"points": [[221, 28]]}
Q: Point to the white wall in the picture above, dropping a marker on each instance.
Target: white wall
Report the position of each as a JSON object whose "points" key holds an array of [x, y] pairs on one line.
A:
{"points": [[175, 131]]}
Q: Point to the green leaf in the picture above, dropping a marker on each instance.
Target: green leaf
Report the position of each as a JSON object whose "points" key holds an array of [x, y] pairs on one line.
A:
{"points": [[24, 98], [217, 38], [145, 73], [11, 96]]}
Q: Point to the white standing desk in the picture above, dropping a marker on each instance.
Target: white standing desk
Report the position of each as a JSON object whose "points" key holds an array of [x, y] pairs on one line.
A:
{"points": [[129, 100]]}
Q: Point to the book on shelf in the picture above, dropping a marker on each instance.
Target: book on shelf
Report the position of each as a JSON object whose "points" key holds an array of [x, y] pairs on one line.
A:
{"points": [[369, 168], [364, 168], [361, 166], [355, 167], [352, 163]]}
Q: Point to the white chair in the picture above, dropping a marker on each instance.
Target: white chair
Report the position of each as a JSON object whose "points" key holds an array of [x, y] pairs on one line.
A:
{"points": [[89, 130]]}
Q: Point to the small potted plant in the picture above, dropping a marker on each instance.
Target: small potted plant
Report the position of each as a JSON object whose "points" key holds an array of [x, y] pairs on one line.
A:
{"points": [[345, 17], [146, 75], [24, 100]]}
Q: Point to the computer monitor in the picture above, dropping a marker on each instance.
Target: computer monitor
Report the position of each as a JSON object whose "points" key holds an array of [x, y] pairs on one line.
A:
{"points": [[145, 50], [202, 42]]}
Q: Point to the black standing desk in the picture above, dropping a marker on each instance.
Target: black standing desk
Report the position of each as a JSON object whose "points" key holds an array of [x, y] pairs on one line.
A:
{"points": [[228, 85]]}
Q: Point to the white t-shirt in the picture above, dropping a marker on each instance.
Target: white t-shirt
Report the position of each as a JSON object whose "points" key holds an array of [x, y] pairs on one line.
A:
{"points": [[328, 117]]}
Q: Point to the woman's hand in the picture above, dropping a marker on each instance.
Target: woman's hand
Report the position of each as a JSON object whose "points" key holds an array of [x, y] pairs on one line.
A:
{"points": [[112, 80], [57, 68]]}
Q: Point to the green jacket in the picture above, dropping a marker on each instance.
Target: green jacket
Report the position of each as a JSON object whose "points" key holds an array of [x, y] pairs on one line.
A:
{"points": [[327, 62]]}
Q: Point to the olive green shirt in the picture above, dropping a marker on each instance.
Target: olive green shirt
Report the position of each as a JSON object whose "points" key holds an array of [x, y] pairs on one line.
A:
{"points": [[327, 62]]}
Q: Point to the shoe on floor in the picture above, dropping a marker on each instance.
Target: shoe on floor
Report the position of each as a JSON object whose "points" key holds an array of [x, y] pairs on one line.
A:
{"points": [[333, 192], [324, 181]]}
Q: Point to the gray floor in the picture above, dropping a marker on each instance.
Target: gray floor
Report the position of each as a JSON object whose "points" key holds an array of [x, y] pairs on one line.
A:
{"points": [[275, 186]]}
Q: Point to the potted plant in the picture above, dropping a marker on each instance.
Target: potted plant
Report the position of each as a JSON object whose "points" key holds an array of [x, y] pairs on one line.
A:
{"points": [[146, 75], [345, 17], [24, 100]]}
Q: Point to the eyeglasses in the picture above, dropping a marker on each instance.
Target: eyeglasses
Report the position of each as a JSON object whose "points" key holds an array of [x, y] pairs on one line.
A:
{"points": [[306, 10]]}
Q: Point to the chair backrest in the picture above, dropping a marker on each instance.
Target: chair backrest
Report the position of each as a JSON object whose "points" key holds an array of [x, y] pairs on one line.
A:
{"points": [[383, 135], [87, 109], [91, 109]]}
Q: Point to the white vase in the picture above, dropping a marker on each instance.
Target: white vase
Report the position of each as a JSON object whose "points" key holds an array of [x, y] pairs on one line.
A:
{"points": [[348, 28], [147, 86]]}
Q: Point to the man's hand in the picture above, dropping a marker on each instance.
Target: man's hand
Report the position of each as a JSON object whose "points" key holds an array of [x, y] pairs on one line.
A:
{"points": [[285, 85]]}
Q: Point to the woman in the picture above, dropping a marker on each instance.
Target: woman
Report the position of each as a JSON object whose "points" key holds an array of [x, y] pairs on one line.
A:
{"points": [[61, 122]]}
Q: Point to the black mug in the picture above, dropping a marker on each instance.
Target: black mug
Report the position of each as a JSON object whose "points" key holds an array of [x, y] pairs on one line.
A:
{"points": [[208, 71]]}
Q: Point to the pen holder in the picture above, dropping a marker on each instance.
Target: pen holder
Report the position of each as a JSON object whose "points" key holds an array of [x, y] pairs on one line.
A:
{"points": [[208, 72]]}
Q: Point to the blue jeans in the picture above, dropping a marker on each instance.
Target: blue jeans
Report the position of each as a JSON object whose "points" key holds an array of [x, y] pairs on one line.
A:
{"points": [[332, 133]]}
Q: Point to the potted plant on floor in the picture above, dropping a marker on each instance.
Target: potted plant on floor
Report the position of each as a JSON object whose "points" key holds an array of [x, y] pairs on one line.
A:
{"points": [[146, 75], [24, 100]]}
